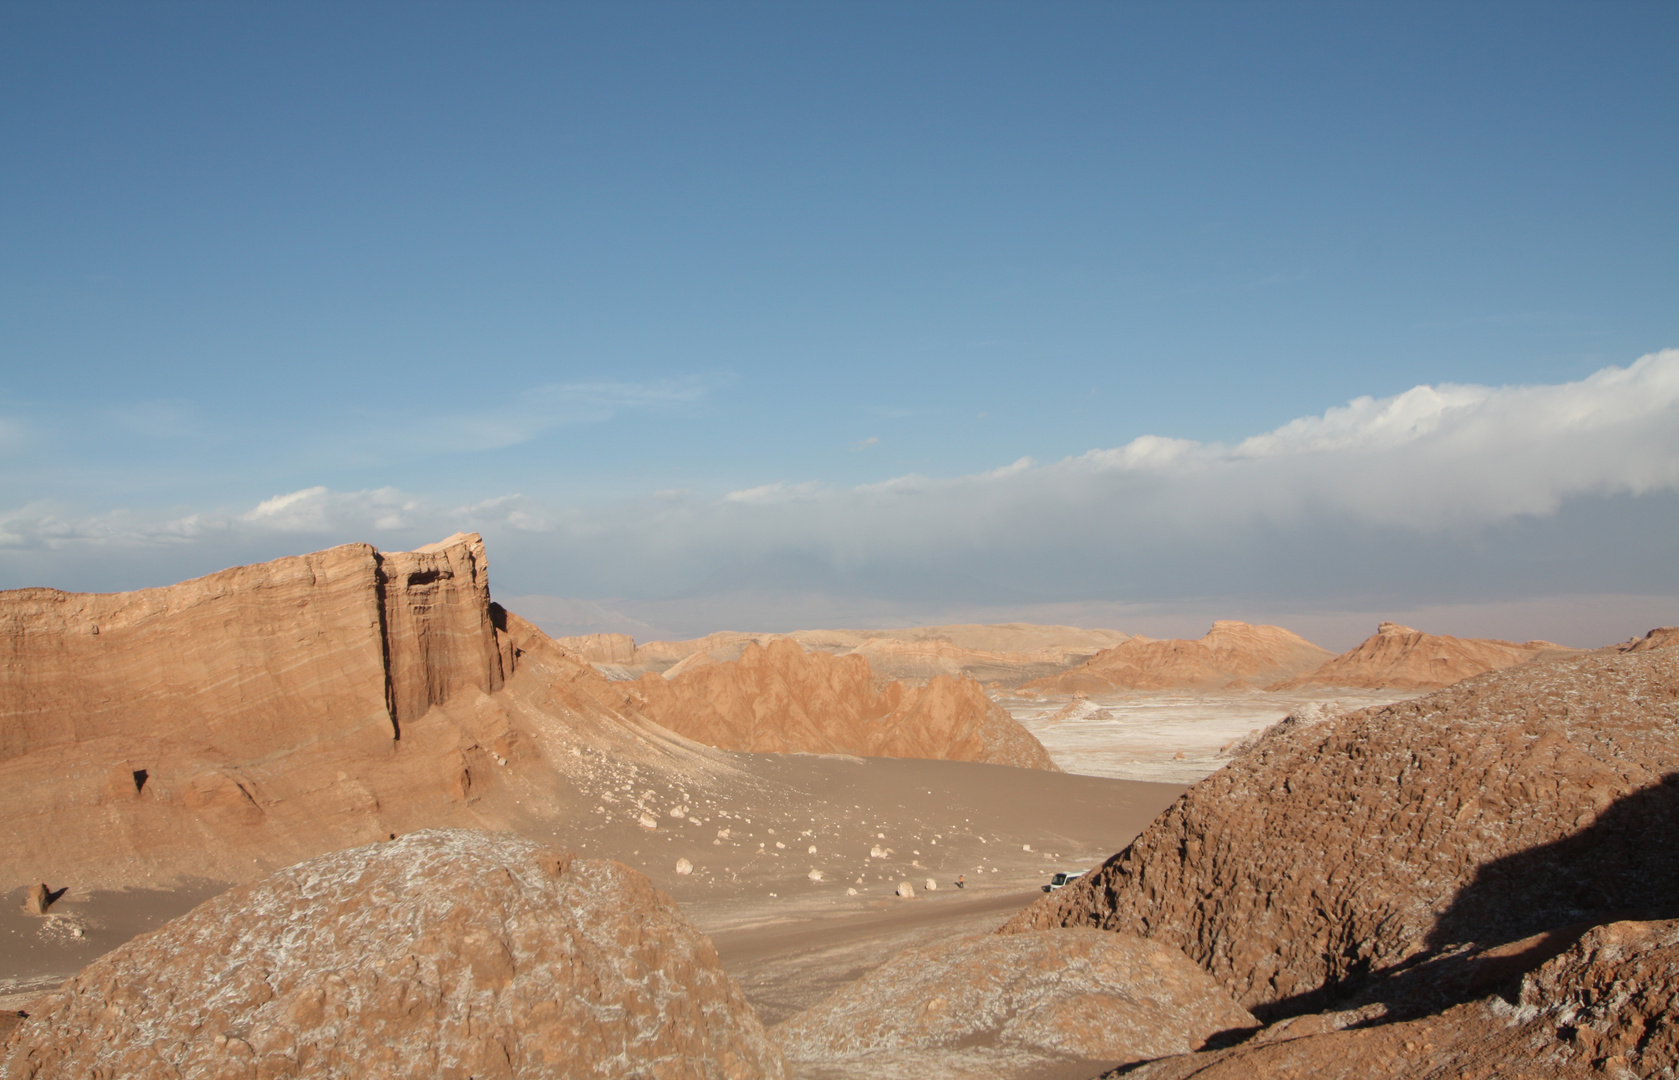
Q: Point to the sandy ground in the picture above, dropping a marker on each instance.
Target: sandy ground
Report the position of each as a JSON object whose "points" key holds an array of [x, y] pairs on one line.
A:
{"points": [[791, 923], [792, 867], [1164, 736]]}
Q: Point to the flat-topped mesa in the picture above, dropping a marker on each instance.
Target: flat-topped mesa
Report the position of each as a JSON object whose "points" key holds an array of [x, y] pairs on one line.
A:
{"points": [[238, 659], [1398, 657], [1231, 653]]}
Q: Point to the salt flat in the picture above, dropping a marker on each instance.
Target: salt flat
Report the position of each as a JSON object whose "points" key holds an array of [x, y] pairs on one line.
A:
{"points": [[1172, 737]]}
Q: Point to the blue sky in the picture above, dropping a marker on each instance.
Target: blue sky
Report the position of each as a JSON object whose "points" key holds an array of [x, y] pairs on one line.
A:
{"points": [[595, 279]]}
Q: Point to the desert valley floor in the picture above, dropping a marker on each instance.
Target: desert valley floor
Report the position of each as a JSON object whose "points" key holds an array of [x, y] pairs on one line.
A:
{"points": [[279, 768]]}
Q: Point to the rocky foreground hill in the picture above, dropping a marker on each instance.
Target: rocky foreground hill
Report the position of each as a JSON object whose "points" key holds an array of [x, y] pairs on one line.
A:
{"points": [[446, 953], [1480, 879]]}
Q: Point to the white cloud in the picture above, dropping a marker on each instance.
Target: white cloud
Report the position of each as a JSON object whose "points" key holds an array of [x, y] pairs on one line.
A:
{"points": [[1443, 490]]}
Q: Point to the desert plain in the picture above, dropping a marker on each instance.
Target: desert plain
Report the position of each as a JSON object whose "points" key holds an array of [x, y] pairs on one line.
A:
{"points": [[342, 814]]}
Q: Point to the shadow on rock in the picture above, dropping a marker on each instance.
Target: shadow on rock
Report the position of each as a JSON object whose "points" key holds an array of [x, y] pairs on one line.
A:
{"points": [[1521, 910]]}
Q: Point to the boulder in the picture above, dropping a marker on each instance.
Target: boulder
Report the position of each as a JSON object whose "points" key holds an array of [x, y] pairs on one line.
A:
{"points": [[38, 900], [445, 953]]}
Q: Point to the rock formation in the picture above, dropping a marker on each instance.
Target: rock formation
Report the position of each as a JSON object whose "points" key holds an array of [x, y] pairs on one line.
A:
{"points": [[1067, 995], [235, 723], [445, 953], [350, 635], [1394, 861], [1398, 657], [1007, 653], [1230, 653], [782, 698], [1602, 1008]]}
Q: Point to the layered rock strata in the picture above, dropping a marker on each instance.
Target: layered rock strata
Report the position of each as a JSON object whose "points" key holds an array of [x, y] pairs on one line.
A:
{"points": [[236, 723], [446, 953], [781, 698]]}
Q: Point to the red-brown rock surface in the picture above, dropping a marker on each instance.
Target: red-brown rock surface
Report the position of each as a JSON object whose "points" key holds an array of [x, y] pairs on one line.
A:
{"points": [[446, 953], [1398, 657], [229, 725], [781, 698], [999, 1001], [1604, 1008], [1375, 856], [1231, 652]]}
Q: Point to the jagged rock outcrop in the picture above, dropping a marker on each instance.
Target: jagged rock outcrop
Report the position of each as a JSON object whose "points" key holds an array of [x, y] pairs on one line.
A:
{"points": [[445, 953], [1398, 657], [1056, 995], [781, 698], [1230, 653], [1377, 856]]}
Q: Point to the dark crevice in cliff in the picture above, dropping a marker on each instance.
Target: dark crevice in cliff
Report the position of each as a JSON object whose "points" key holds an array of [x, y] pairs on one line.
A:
{"points": [[385, 644]]}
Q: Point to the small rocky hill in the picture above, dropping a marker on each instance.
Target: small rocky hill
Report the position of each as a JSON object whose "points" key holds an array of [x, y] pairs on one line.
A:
{"points": [[445, 953], [1398, 657], [1230, 653], [1396, 861], [782, 698]]}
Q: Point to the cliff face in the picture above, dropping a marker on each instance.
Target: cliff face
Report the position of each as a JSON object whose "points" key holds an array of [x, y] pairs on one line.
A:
{"points": [[1231, 652], [1399, 657], [240, 659], [780, 698], [255, 716], [1378, 855]]}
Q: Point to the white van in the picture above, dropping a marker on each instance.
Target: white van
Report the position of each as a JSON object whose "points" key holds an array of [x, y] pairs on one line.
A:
{"points": [[1059, 880]]}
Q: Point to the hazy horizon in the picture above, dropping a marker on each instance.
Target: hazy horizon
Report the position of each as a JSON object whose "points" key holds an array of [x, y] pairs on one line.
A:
{"points": [[769, 318]]}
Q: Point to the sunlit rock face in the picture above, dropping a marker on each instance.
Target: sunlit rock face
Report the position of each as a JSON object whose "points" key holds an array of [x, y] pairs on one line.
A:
{"points": [[782, 698]]}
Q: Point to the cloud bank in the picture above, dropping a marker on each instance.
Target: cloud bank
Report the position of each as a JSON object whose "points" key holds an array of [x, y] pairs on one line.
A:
{"points": [[1440, 494]]}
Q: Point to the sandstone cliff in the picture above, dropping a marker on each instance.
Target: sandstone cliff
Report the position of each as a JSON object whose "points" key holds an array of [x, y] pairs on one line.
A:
{"points": [[242, 721], [1387, 856], [1231, 652], [445, 953], [781, 698], [1398, 657]]}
